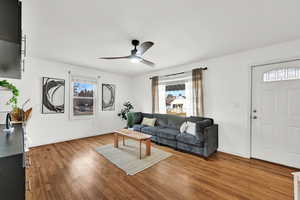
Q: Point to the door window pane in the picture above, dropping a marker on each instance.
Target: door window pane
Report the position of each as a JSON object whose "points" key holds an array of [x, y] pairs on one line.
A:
{"points": [[292, 73]]}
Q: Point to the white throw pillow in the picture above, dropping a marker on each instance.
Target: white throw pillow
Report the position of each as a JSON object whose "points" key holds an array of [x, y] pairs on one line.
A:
{"points": [[183, 127], [191, 128]]}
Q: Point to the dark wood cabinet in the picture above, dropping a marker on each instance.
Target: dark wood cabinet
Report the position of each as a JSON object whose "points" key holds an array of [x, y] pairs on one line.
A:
{"points": [[10, 21], [12, 165], [10, 38]]}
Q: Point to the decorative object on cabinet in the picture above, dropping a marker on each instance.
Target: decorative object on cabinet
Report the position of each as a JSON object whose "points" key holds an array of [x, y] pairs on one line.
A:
{"points": [[108, 97], [8, 125], [53, 96], [20, 115]]}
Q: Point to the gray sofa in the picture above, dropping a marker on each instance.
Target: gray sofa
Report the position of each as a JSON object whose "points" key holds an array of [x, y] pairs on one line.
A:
{"points": [[167, 132]]}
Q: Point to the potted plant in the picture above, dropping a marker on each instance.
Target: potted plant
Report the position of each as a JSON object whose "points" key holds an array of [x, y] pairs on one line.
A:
{"points": [[17, 114], [126, 115], [15, 92], [130, 119]]}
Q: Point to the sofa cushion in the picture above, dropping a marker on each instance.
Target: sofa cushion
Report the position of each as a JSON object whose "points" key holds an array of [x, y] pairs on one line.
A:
{"points": [[137, 127], [149, 121], [190, 139], [204, 122], [201, 123], [168, 133], [138, 117], [175, 121], [162, 120], [168, 142], [147, 115], [150, 130], [190, 148]]}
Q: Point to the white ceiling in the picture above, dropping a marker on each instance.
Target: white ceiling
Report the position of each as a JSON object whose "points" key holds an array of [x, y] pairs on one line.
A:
{"points": [[184, 31]]}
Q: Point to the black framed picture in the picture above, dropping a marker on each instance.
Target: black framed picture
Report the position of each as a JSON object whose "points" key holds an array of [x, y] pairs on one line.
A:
{"points": [[108, 97], [53, 95]]}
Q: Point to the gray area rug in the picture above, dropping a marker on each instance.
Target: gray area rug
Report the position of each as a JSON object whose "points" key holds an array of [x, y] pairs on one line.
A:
{"points": [[127, 157]]}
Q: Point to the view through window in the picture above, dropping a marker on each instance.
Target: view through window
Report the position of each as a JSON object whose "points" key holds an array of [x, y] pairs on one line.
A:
{"points": [[83, 100], [176, 99], [83, 93]]}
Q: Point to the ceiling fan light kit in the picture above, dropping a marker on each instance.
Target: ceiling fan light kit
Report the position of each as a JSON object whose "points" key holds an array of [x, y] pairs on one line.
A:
{"points": [[135, 60], [136, 53]]}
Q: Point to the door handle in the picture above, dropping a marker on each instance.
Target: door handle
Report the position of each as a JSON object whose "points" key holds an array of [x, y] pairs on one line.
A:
{"points": [[254, 117]]}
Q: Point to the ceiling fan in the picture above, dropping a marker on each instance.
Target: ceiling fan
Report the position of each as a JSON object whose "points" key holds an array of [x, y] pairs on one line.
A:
{"points": [[136, 53]]}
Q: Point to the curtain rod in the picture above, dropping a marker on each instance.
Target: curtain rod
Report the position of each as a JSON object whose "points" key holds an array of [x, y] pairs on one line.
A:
{"points": [[203, 68], [278, 62]]}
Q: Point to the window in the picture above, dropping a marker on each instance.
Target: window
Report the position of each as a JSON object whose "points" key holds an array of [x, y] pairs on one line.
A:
{"points": [[175, 99], [83, 97], [282, 74], [175, 95]]}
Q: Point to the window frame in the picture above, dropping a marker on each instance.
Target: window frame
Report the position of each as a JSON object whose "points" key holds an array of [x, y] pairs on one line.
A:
{"points": [[176, 80], [83, 79]]}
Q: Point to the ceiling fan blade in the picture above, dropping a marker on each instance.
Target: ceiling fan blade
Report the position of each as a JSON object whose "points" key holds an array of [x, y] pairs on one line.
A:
{"points": [[144, 47], [114, 58], [147, 62]]}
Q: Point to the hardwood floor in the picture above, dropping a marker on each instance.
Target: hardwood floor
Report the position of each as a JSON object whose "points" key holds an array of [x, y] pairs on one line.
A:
{"points": [[74, 170]]}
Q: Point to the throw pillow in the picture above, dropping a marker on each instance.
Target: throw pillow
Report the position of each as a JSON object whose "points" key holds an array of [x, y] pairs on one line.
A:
{"points": [[183, 127], [191, 128], [148, 121]]}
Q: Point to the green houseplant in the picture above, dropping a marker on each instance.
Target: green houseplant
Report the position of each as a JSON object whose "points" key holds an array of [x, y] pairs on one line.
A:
{"points": [[17, 114], [15, 93], [125, 113]]}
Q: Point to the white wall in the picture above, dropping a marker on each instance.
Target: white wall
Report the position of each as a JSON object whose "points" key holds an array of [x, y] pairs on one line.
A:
{"points": [[226, 87], [50, 128], [226, 91]]}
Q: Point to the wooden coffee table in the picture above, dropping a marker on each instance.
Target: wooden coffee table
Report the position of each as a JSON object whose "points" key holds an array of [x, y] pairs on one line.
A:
{"points": [[138, 136]]}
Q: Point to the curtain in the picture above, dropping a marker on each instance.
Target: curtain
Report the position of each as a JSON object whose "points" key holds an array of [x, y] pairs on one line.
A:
{"points": [[155, 96], [189, 105], [198, 91], [162, 99]]}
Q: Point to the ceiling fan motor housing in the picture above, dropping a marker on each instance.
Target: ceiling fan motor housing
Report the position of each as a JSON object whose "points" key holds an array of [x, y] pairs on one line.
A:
{"points": [[135, 42]]}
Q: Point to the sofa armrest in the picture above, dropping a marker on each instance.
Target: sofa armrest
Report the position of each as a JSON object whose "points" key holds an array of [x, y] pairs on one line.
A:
{"points": [[211, 140]]}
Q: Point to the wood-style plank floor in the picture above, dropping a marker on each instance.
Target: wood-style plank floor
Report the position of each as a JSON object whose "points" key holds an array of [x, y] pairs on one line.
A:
{"points": [[73, 170]]}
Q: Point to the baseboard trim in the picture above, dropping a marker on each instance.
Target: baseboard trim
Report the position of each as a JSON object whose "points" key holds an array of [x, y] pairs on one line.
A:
{"points": [[67, 140], [234, 153]]}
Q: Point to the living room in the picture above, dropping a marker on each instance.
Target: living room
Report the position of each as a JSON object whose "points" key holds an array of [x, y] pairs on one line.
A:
{"points": [[225, 64]]}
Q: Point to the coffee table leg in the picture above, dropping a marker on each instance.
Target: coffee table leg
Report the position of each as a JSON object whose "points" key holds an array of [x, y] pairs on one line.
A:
{"points": [[116, 144], [123, 140], [148, 147], [140, 149]]}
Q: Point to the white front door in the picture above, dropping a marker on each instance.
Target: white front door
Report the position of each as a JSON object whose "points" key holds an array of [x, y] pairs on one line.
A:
{"points": [[276, 113]]}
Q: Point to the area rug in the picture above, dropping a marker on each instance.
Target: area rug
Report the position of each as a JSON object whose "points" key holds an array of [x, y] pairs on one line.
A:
{"points": [[127, 157]]}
